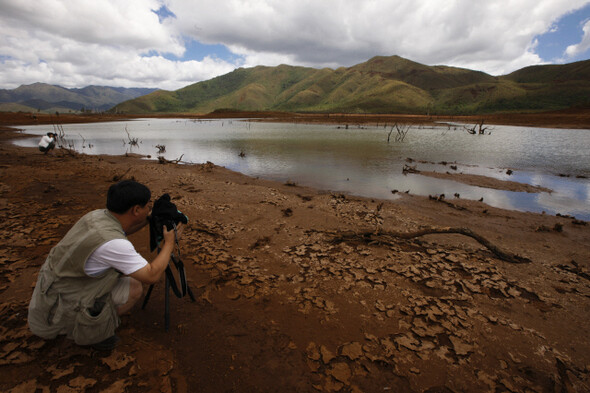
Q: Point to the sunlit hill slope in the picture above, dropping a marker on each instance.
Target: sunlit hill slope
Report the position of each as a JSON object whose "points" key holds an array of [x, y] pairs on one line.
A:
{"points": [[380, 85]]}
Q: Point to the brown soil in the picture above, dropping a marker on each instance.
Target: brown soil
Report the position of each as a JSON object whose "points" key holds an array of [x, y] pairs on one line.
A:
{"points": [[283, 307]]}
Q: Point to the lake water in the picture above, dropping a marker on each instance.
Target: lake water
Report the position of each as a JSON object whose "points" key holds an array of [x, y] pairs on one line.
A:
{"points": [[360, 161]]}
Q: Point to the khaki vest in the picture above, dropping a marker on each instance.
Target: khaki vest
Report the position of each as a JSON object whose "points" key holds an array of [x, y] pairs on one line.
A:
{"points": [[68, 301]]}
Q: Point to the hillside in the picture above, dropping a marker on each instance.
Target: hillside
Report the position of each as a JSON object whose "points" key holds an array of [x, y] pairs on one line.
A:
{"points": [[380, 85], [42, 97]]}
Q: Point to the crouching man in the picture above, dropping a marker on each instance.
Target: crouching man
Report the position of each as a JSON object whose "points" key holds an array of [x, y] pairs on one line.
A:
{"points": [[94, 274], [47, 143]]}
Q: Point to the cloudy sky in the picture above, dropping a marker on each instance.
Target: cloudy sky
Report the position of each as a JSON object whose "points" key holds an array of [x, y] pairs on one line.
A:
{"points": [[169, 44]]}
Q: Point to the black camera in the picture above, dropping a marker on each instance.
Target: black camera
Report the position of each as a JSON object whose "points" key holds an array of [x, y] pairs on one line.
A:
{"points": [[164, 213]]}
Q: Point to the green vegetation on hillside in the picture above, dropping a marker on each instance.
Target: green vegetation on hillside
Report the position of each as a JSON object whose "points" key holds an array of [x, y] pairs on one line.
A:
{"points": [[380, 85]]}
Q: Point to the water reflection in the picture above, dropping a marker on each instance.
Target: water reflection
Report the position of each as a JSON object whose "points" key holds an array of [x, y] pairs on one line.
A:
{"points": [[361, 162]]}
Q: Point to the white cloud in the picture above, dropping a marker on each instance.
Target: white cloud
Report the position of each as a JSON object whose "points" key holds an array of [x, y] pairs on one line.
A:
{"points": [[123, 43], [124, 24], [582, 46], [74, 44], [493, 36]]}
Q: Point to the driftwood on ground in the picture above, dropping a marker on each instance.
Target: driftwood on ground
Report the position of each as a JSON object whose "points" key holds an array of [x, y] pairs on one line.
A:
{"points": [[163, 160], [386, 238]]}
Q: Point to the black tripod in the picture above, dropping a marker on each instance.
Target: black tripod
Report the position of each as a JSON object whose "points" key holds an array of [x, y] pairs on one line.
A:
{"points": [[171, 284]]}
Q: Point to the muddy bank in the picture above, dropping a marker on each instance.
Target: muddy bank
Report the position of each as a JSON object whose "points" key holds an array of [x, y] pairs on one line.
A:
{"points": [[486, 182], [285, 303]]}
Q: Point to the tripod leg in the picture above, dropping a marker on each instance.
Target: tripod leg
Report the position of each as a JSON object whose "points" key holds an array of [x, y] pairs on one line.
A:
{"points": [[147, 296], [167, 306], [190, 293]]}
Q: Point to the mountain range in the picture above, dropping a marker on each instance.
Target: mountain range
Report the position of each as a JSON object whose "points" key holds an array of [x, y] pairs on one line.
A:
{"points": [[380, 85], [42, 97]]}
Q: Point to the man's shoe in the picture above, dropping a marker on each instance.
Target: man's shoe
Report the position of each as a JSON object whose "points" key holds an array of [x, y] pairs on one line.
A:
{"points": [[108, 344]]}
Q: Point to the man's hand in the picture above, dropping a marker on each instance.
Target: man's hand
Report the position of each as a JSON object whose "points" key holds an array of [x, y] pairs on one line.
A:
{"points": [[169, 235], [152, 272]]}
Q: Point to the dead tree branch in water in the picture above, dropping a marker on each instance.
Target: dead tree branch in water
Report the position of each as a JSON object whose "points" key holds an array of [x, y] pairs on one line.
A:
{"points": [[132, 141], [402, 131], [61, 141], [387, 238], [410, 169], [477, 129], [84, 142]]}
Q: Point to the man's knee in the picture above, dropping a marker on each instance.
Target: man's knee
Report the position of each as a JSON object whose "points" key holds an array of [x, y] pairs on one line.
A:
{"points": [[135, 290]]}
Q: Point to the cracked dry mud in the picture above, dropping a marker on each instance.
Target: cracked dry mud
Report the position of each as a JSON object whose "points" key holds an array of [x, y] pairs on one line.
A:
{"points": [[282, 307]]}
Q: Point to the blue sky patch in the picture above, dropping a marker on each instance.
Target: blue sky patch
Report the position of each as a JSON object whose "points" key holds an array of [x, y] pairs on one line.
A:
{"points": [[164, 13], [567, 31], [196, 50]]}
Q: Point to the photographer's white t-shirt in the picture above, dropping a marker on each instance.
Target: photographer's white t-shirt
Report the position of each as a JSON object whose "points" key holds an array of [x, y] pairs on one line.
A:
{"points": [[118, 254], [46, 141]]}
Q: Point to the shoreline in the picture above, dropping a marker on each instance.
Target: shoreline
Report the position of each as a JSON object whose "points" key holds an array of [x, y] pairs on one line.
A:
{"points": [[296, 293], [571, 118], [482, 181]]}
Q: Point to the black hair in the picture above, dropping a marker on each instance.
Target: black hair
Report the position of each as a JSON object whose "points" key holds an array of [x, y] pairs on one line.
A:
{"points": [[125, 194]]}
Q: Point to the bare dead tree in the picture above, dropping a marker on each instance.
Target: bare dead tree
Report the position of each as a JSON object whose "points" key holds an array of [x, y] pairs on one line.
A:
{"points": [[478, 129], [83, 142], [60, 138], [132, 141], [402, 131], [60, 135]]}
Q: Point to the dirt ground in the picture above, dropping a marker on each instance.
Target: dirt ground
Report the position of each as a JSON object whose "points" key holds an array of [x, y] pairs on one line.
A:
{"points": [[301, 290]]}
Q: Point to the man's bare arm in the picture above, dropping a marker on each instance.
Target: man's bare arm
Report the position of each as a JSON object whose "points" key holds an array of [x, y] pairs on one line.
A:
{"points": [[152, 272]]}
